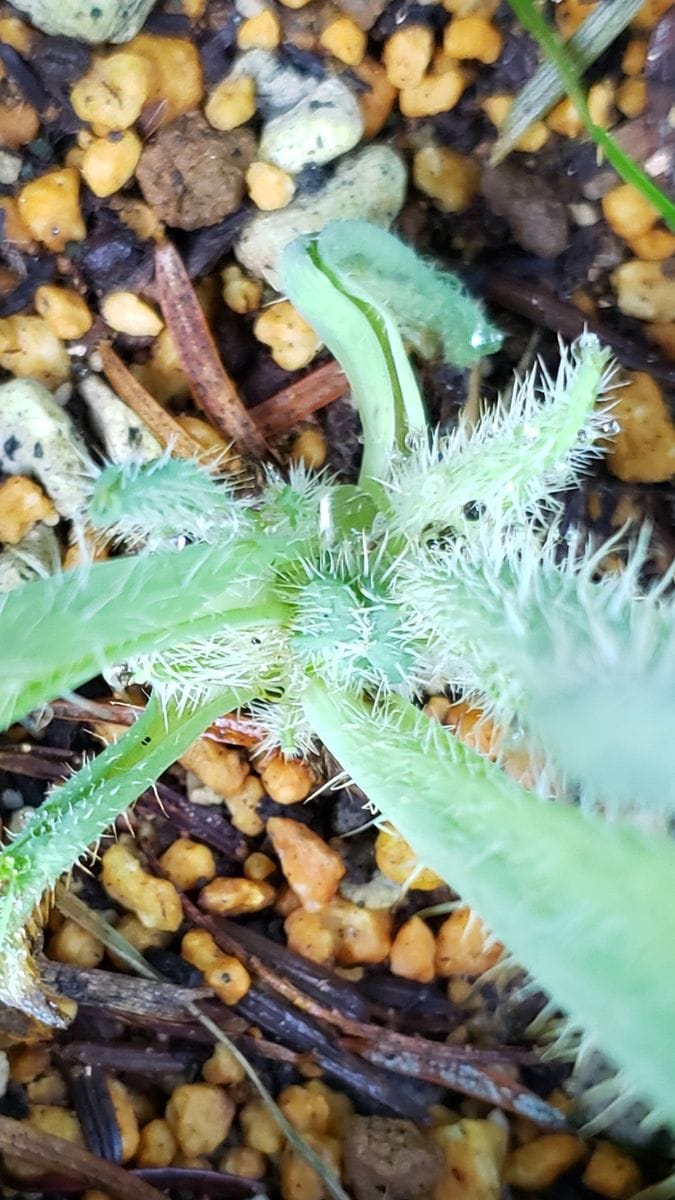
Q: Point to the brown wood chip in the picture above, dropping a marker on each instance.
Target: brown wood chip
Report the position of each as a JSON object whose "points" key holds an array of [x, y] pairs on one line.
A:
{"points": [[55, 1154], [213, 390], [138, 399], [299, 400]]}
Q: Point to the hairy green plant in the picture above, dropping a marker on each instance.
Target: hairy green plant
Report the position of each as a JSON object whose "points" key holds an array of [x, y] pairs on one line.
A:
{"points": [[331, 609]]}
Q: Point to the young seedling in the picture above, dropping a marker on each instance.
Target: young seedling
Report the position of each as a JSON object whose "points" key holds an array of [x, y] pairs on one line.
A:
{"points": [[333, 608]]}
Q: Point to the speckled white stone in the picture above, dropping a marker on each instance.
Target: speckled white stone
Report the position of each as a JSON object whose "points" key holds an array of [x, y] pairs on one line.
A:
{"points": [[38, 438], [88, 20], [278, 85], [323, 126], [370, 184], [123, 434]]}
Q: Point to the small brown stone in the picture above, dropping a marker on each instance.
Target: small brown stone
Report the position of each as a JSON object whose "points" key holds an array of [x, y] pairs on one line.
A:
{"points": [[537, 218], [193, 175], [385, 1156]]}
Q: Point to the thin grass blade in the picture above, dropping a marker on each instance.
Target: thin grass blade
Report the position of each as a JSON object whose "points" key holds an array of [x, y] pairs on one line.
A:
{"points": [[545, 88], [531, 18]]}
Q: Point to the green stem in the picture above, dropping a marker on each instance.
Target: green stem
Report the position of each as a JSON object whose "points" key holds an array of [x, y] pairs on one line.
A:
{"points": [[406, 402], [584, 905], [529, 16]]}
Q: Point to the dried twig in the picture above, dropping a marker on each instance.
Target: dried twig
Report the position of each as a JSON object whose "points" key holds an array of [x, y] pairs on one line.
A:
{"points": [[236, 730], [121, 994], [471, 1072], [111, 938], [288, 407], [213, 390], [299, 400], [187, 1029], [209, 825], [471, 409], [125, 1056], [540, 305], [233, 729], [183, 1180], [297, 979], [313, 979], [389, 1092], [30, 1144], [77, 708], [138, 399], [23, 762], [95, 1111], [205, 1183]]}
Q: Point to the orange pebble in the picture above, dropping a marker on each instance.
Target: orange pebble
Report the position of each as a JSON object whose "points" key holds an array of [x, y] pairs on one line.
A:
{"points": [[413, 953], [309, 864], [463, 945]]}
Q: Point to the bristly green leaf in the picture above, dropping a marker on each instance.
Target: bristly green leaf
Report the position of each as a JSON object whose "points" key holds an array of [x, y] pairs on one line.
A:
{"points": [[74, 816], [59, 632], [248, 652], [510, 466], [347, 629], [431, 308], [530, 16], [544, 89], [585, 665], [589, 916], [139, 502]]}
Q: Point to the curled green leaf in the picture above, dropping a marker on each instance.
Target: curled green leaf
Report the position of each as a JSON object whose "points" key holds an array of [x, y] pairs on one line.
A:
{"points": [[365, 292]]}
